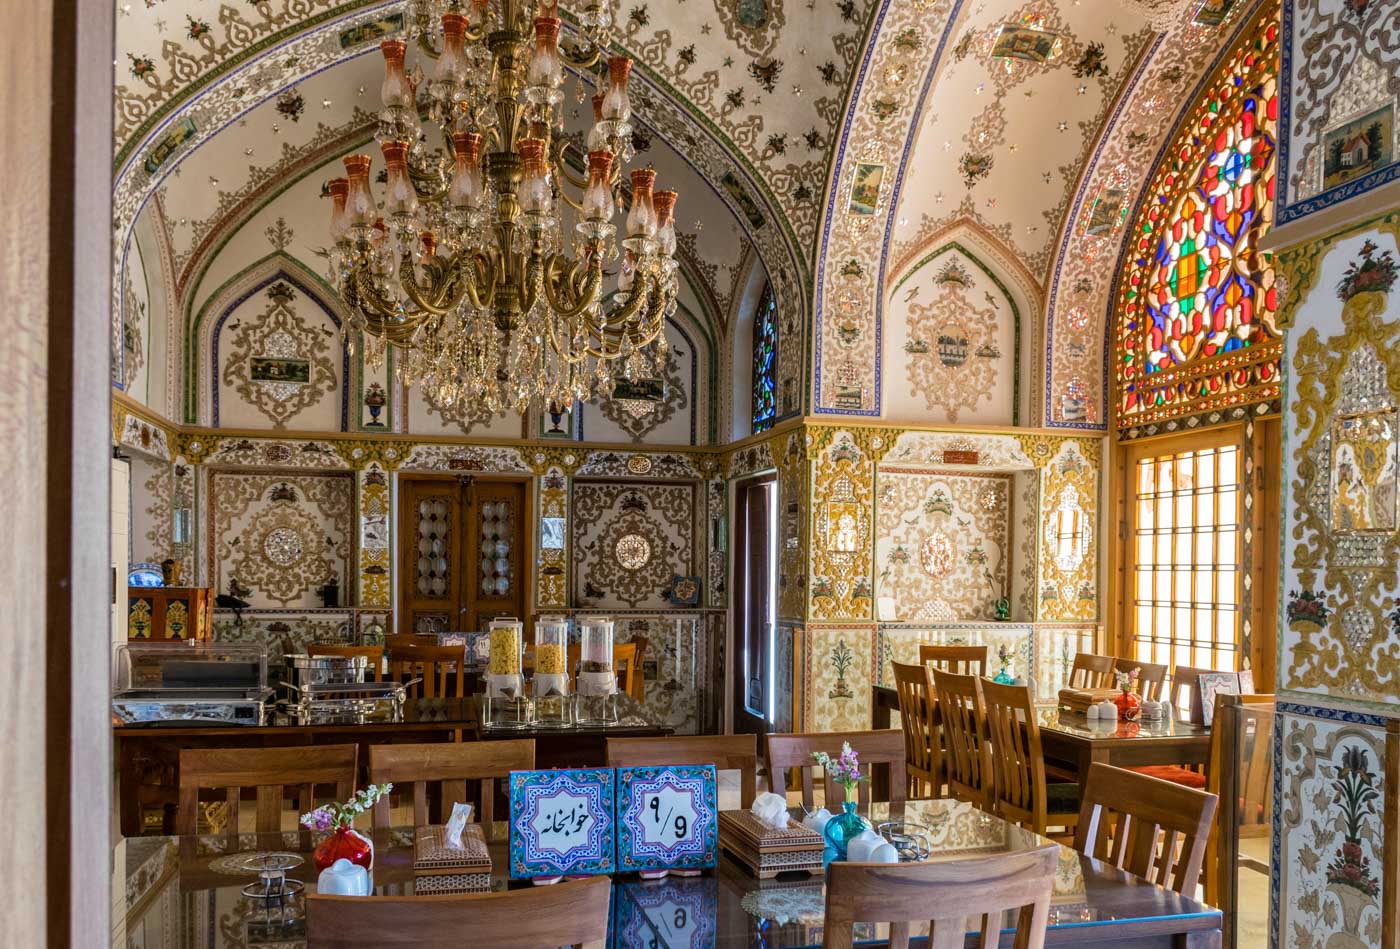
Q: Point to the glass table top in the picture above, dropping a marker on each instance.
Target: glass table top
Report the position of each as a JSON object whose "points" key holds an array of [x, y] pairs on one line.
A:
{"points": [[186, 891], [1081, 726]]}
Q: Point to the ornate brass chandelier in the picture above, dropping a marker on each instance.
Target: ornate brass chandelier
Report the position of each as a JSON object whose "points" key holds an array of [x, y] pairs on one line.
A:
{"points": [[462, 268]]}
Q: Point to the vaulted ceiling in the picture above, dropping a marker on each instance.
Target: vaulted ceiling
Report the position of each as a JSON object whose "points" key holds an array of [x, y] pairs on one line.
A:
{"points": [[1032, 123]]}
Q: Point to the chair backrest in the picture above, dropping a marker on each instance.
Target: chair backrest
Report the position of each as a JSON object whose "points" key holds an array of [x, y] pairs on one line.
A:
{"points": [[1091, 672], [945, 893], [1186, 692], [627, 664], [1152, 676], [923, 751], [885, 746], [725, 752], [572, 913], [373, 655], [442, 669], [965, 751], [1018, 762], [269, 770], [964, 660], [1124, 813], [453, 764]]}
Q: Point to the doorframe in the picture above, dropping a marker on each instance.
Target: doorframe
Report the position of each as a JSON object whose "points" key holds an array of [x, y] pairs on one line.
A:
{"points": [[738, 540], [529, 518]]}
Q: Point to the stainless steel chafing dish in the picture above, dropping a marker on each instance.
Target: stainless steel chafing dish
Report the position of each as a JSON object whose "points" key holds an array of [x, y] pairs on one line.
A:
{"points": [[191, 683], [304, 672], [348, 703]]}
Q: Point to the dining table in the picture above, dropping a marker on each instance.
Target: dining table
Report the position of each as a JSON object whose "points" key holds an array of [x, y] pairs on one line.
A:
{"points": [[1074, 739], [187, 892], [148, 755]]}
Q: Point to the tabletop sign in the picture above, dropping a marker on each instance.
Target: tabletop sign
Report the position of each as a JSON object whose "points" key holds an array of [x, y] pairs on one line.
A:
{"points": [[561, 822], [668, 914], [667, 818]]}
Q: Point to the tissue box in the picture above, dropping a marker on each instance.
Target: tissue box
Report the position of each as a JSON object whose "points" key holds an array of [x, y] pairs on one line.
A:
{"points": [[767, 852], [1079, 700], [438, 868]]}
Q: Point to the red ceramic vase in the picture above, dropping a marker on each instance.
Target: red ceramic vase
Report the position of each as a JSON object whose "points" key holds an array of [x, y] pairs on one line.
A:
{"points": [[344, 842], [1129, 706]]}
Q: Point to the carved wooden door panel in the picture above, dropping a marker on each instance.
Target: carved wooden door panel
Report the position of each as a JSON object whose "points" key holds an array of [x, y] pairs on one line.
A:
{"points": [[462, 553]]}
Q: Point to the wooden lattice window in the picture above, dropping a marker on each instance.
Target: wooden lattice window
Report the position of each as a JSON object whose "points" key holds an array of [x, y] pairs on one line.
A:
{"points": [[1184, 548]]}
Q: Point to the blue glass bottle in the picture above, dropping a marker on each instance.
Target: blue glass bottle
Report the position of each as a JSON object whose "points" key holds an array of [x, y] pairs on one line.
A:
{"points": [[1004, 676], [843, 828]]}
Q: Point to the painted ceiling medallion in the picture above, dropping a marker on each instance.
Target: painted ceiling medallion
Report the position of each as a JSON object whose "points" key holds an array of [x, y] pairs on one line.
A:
{"points": [[278, 362], [936, 555], [753, 25], [633, 551]]}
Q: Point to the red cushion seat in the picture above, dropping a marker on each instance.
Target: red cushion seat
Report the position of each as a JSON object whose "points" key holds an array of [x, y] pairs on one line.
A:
{"points": [[1175, 774]]}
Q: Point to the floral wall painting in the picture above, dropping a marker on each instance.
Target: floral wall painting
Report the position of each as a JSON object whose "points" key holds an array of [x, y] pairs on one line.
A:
{"points": [[865, 189], [1365, 473], [1342, 509], [1212, 12], [1033, 46], [1330, 832], [1358, 147]]}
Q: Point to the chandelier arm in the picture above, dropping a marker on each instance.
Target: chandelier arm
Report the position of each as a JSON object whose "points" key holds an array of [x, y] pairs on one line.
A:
{"points": [[584, 288], [581, 60], [440, 296]]}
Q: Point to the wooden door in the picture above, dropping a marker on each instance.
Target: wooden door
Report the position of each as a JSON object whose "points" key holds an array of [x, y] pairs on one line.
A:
{"points": [[754, 599], [462, 553]]}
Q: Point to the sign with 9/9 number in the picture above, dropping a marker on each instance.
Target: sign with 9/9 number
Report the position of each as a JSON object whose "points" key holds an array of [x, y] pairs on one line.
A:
{"points": [[667, 818]]}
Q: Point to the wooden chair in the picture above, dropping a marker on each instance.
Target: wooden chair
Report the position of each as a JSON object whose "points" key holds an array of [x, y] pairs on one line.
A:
{"points": [[1020, 792], [1186, 692], [373, 655], [453, 764], [885, 746], [1152, 676], [442, 669], [725, 752], [1123, 815], [964, 724], [1091, 672], [945, 893], [572, 913], [964, 660], [923, 749], [269, 770]]}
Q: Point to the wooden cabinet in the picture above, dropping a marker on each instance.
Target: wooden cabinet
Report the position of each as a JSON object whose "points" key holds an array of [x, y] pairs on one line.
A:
{"points": [[462, 549], [169, 613]]}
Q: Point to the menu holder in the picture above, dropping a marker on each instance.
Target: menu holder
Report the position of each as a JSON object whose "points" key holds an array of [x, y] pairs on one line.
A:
{"points": [[766, 851], [440, 869], [1079, 700]]}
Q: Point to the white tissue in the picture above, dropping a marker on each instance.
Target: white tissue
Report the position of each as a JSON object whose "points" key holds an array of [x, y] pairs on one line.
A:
{"points": [[771, 810], [452, 836]]}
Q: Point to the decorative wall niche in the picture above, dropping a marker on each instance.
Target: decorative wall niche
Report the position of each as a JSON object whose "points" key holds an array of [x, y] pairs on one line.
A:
{"points": [[629, 540], [282, 535]]}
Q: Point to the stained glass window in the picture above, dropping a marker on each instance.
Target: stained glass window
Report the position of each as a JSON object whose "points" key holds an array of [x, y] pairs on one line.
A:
{"points": [[765, 366], [1195, 328]]}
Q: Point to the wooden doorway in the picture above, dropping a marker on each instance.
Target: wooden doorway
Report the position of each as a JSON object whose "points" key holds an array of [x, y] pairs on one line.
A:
{"points": [[751, 670], [463, 552]]}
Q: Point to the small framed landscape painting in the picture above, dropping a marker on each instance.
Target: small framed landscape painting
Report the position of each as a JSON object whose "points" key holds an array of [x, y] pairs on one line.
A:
{"points": [[865, 189], [667, 818], [561, 822]]}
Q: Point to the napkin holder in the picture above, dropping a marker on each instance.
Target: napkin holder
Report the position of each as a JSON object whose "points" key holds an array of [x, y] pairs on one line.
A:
{"points": [[767, 851], [440, 869], [1079, 700]]}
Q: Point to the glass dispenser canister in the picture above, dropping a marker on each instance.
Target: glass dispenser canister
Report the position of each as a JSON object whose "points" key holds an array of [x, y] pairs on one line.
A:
{"points": [[597, 681], [506, 705], [553, 705]]}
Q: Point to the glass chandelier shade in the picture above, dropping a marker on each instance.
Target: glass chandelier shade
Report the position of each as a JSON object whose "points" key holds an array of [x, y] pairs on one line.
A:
{"points": [[462, 262]]}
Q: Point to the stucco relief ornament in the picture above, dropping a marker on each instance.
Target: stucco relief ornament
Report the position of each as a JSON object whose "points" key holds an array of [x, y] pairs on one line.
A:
{"points": [[277, 362], [936, 555]]}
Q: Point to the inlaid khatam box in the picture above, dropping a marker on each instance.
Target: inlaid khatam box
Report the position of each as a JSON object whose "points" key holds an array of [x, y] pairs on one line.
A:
{"points": [[766, 851], [438, 868]]}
